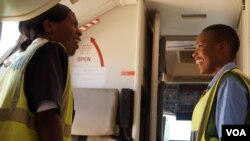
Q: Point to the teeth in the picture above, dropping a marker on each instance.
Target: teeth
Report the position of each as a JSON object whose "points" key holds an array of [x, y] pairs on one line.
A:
{"points": [[198, 61]]}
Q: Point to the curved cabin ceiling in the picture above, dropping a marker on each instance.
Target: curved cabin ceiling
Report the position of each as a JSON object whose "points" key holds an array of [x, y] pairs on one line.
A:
{"points": [[23, 10], [178, 17], [189, 17], [85, 10]]}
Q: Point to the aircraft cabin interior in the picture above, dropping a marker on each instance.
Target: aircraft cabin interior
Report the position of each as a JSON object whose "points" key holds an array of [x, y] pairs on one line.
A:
{"points": [[136, 54]]}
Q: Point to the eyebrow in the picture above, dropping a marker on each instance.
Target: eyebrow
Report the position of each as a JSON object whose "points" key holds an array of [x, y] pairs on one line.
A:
{"points": [[201, 43]]}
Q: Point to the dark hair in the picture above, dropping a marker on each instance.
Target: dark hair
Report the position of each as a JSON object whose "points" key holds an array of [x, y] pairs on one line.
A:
{"points": [[221, 32], [32, 28]]}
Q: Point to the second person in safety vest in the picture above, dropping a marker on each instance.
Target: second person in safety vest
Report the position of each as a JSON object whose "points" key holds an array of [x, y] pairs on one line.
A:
{"points": [[225, 101]]}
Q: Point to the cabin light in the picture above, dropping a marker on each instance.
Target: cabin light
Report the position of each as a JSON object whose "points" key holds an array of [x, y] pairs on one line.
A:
{"points": [[193, 16]]}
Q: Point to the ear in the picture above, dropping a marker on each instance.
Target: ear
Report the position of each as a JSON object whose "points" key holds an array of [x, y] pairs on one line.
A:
{"points": [[221, 46], [224, 48], [47, 25]]}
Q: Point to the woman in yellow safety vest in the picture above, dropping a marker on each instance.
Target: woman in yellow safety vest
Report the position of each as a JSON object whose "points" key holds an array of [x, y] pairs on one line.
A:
{"points": [[36, 102], [226, 100]]}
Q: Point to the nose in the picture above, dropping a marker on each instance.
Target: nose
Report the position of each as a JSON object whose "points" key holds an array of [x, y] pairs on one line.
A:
{"points": [[194, 54]]}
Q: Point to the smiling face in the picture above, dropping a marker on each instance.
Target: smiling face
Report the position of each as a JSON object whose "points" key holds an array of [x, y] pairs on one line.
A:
{"points": [[207, 54], [66, 32]]}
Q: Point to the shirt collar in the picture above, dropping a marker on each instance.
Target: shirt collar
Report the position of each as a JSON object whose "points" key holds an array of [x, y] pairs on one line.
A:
{"points": [[227, 66], [39, 39]]}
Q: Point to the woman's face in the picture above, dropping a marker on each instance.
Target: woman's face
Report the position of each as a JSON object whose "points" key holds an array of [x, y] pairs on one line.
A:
{"points": [[67, 32]]}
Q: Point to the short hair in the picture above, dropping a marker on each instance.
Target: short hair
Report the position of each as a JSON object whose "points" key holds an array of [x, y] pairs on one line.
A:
{"points": [[221, 32], [32, 28]]}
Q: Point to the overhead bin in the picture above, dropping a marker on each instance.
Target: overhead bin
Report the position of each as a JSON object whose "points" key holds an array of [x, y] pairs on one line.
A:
{"points": [[17, 10], [23, 10]]}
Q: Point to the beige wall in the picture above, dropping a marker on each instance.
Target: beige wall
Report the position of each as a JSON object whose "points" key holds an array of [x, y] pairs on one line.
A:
{"points": [[115, 35], [243, 55], [120, 38]]}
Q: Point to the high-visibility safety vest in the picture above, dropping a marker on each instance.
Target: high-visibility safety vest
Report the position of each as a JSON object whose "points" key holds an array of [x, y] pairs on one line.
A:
{"points": [[16, 120], [203, 119]]}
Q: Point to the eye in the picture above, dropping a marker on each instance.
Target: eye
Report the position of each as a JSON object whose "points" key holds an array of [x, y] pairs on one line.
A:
{"points": [[75, 24], [200, 45]]}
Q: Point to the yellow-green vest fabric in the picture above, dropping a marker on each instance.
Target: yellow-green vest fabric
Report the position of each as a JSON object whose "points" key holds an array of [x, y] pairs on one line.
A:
{"points": [[16, 120], [203, 119]]}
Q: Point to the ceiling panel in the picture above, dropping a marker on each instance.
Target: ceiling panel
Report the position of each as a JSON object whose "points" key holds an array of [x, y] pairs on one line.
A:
{"points": [[23, 10], [216, 11], [87, 10]]}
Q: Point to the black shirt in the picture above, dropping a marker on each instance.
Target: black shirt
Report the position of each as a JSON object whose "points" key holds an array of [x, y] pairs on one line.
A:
{"points": [[45, 76]]}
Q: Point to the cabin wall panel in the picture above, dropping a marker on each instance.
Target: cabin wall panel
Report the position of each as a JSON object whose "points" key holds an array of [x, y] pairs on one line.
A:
{"points": [[115, 35]]}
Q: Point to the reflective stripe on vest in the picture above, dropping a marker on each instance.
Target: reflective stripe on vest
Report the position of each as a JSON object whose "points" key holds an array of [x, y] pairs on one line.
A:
{"points": [[16, 121], [21, 116], [203, 119]]}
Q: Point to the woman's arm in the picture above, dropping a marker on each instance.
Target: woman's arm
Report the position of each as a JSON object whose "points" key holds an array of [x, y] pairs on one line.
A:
{"points": [[49, 125]]}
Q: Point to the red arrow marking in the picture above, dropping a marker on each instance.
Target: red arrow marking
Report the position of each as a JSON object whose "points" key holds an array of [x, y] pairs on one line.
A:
{"points": [[92, 40]]}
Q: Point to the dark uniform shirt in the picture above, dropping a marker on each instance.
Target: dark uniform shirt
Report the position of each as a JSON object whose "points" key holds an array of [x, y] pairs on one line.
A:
{"points": [[45, 76]]}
